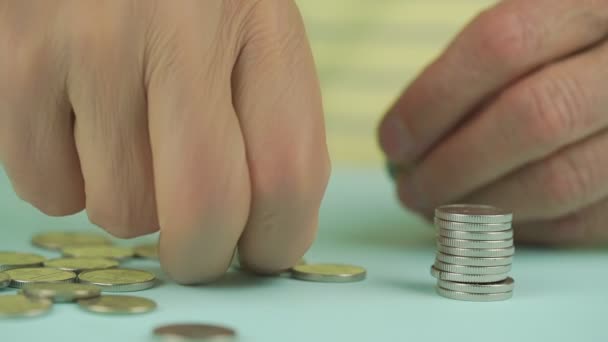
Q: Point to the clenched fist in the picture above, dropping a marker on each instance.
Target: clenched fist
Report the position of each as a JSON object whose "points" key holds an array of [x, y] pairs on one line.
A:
{"points": [[199, 118], [515, 114]]}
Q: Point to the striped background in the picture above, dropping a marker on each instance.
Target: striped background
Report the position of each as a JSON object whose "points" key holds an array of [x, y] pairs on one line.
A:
{"points": [[366, 52]]}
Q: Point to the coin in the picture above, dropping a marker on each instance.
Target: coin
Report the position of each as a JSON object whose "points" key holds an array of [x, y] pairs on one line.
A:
{"points": [[472, 252], [195, 332], [118, 304], [467, 261], [12, 306], [474, 297], [109, 252], [81, 264], [147, 251], [480, 236], [331, 273], [11, 260], [475, 244], [23, 276], [61, 292], [506, 285], [473, 213], [467, 278], [472, 227], [5, 280], [119, 279], [473, 270], [60, 240]]}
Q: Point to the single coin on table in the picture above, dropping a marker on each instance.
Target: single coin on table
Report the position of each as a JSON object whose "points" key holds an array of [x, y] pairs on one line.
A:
{"points": [[60, 240], [330, 273], [475, 244], [13, 306], [61, 292], [469, 261], [472, 227], [480, 236], [12, 260], [5, 280], [119, 279], [467, 278], [504, 286], [473, 213], [195, 332], [23, 276], [81, 264], [149, 251], [108, 252], [473, 270], [477, 252], [474, 297], [118, 304]]}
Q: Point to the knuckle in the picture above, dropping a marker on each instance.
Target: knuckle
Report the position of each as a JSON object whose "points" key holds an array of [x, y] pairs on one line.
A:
{"points": [[565, 183]]}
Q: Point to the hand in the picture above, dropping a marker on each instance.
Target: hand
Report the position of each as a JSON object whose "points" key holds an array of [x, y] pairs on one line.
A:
{"points": [[199, 118], [514, 113]]}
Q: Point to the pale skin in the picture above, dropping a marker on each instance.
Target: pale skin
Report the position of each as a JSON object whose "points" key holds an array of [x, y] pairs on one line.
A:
{"points": [[204, 120]]}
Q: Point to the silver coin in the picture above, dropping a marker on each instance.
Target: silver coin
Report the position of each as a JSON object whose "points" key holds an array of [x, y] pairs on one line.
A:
{"points": [[467, 261], [5, 280], [472, 270], [474, 297], [472, 227], [473, 213], [506, 285], [474, 243], [195, 332], [467, 278], [118, 279], [476, 253], [477, 236]]}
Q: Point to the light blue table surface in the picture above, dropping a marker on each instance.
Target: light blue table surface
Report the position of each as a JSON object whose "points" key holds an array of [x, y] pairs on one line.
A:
{"points": [[560, 295]]}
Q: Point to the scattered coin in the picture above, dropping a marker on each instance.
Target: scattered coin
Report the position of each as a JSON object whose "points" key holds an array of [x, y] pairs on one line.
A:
{"points": [[118, 304], [13, 306], [467, 278], [5, 280], [23, 276], [149, 251], [61, 240], [477, 253], [472, 227], [473, 213], [195, 332], [506, 285], [118, 279], [11, 260], [331, 273], [474, 297], [475, 244], [485, 236], [473, 270], [108, 252], [61, 292], [468, 261], [78, 265]]}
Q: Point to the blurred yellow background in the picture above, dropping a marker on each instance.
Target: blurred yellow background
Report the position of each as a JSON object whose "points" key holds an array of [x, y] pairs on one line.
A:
{"points": [[366, 52]]}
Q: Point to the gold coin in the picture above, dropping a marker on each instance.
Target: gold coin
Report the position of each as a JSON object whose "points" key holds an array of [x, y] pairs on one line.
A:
{"points": [[5, 280], [147, 251], [11, 260], [118, 304], [330, 273], [119, 279], [81, 264], [61, 292], [20, 306], [23, 276], [109, 252], [60, 240], [195, 332]]}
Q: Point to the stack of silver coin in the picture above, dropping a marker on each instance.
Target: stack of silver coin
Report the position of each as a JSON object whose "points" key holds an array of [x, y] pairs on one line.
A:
{"points": [[474, 252]]}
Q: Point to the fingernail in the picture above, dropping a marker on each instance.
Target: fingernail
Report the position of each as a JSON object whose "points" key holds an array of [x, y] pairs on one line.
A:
{"points": [[394, 139], [411, 194]]}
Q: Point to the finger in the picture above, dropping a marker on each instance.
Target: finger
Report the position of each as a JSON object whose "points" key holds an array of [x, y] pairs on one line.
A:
{"points": [[36, 133], [201, 176], [555, 107], [584, 227], [499, 46], [278, 102], [564, 183], [106, 91]]}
